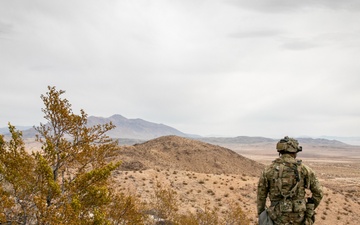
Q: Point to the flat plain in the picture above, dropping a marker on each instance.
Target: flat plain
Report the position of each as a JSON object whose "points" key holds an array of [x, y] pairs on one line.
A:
{"points": [[338, 170]]}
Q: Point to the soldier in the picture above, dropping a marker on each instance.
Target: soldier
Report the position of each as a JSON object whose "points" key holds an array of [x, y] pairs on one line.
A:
{"points": [[285, 181]]}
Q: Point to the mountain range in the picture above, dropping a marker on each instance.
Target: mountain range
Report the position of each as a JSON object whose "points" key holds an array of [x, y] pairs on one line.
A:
{"points": [[131, 131], [135, 128]]}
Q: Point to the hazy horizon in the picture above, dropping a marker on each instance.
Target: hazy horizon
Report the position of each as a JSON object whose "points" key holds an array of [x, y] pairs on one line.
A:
{"points": [[207, 67], [351, 140]]}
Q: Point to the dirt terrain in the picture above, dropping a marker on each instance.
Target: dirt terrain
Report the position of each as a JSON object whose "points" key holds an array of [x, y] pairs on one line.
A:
{"points": [[223, 174], [203, 174], [338, 169]]}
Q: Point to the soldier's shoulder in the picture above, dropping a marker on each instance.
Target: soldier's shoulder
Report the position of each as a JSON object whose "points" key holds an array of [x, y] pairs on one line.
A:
{"points": [[271, 167], [307, 169]]}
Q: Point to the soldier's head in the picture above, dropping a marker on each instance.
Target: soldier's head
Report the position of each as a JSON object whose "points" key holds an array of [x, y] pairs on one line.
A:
{"points": [[288, 146]]}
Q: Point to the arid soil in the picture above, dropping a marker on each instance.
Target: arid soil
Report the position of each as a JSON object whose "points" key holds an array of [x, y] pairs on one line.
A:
{"points": [[338, 169], [236, 183], [221, 175]]}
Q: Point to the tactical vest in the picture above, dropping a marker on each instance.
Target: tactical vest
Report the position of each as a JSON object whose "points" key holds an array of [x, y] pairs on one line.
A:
{"points": [[287, 186]]}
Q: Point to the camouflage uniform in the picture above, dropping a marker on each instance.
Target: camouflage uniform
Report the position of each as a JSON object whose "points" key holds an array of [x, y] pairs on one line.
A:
{"points": [[285, 181]]}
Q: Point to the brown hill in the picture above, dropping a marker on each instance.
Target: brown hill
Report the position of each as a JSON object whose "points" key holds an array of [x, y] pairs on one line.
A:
{"points": [[178, 153], [202, 173]]}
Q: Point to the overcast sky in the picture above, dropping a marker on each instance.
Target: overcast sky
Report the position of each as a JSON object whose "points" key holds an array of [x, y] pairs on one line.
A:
{"points": [[233, 67]]}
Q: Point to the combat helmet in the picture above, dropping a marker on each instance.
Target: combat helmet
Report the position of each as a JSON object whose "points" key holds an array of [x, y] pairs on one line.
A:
{"points": [[288, 145]]}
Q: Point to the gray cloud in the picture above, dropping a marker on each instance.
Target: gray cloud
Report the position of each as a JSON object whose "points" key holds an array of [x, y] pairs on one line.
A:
{"points": [[5, 30], [205, 68], [285, 6], [256, 34], [300, 45]]}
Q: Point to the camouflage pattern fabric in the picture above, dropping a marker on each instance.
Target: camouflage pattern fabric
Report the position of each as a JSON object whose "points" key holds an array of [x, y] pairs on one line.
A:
{"points": [[284, 182]]}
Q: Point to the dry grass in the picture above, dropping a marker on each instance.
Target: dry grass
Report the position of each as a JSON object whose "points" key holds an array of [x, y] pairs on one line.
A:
{"points": [[204, 175], [338, 170], [193, 194]]}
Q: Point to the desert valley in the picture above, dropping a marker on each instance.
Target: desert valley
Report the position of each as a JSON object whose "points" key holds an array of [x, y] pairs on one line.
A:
{"points": [[223, 172]]}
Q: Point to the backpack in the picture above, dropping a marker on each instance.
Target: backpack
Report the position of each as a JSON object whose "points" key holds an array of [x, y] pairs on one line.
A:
{"points": [[287, 186], [288, 173]]}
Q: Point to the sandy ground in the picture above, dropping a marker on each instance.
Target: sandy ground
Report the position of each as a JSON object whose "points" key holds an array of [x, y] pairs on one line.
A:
{"points": [[338, 170], [339, 206]]}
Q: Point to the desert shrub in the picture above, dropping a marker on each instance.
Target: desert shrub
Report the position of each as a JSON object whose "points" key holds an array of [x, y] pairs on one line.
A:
{"points": [[206, 216], [235, 215], [189, 219], [210, 192], [69, 179], [126, 209], [164, 202]]}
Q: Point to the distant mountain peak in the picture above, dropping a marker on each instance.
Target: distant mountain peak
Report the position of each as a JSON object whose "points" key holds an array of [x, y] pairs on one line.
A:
{"points": [[117, 116], [135, 128], [125, 128]]}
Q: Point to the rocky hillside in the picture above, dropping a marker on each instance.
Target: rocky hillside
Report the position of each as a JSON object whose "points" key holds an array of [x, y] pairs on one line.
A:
{"points": [[205, 174], [180, 153]]}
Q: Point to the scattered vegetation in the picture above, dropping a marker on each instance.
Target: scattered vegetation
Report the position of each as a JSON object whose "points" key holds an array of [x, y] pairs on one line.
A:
{"points": [[69, 180]]}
